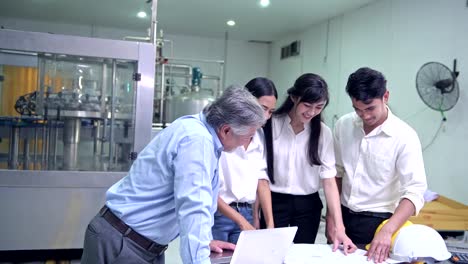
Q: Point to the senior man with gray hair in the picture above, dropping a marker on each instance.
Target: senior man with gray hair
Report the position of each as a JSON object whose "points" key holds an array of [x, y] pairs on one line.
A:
{"points": [[172, 188]]}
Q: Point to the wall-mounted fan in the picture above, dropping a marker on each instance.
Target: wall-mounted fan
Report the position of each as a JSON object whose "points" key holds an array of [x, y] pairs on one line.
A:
{"points": [[438, 88], [437, 85]]}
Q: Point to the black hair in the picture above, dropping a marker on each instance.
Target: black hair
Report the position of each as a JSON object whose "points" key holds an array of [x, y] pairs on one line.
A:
{"points": [[259, 87], [366, 84], [308, 88]]}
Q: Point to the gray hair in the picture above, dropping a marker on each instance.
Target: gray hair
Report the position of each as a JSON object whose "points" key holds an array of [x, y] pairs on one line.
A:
{"points": [[236, 107]]}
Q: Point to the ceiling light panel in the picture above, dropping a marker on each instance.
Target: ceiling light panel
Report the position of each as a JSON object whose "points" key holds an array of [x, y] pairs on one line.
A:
{"points": [[264, 3]]}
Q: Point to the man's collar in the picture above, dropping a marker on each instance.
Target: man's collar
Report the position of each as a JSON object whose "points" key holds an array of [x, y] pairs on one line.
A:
{"points": [[217, 143], [387, 126]]}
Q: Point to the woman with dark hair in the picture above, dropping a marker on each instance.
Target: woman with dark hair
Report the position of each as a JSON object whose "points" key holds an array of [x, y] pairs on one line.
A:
{"points": [[303, 160], [243, 176]]}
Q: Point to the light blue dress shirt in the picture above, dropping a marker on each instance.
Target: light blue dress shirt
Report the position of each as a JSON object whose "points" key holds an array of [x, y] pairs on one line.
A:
{"points": [[172, 188]]}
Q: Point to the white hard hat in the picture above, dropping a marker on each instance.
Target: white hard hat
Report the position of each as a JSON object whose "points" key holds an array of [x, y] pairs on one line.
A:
{"points": [[419, 243]]}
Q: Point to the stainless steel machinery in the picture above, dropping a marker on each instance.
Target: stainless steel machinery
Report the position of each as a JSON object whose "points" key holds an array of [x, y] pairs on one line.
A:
{"points": [[74, 113], [183, 88]]}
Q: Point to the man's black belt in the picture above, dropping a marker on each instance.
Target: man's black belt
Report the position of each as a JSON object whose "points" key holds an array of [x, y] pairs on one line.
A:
{"points": [[127, 231], [367, 213], [236, 204]]}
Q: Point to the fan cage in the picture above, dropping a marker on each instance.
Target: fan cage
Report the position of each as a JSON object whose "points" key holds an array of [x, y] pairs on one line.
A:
{"points": [[437, 86]]}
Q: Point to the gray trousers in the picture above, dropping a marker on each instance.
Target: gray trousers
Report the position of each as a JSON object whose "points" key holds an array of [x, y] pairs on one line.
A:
{"points": [[104, 244]]}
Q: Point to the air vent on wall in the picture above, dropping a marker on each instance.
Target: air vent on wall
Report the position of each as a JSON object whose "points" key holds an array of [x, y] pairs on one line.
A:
{"points": [[260, 41], [293, 49]]}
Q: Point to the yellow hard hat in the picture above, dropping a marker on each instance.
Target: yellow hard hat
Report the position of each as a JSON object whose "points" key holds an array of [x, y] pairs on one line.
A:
{"points": [[414, 243], [407, 223]]}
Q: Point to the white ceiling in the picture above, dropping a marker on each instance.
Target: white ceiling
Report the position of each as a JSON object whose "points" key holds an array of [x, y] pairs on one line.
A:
{"points": [[193, 17]]}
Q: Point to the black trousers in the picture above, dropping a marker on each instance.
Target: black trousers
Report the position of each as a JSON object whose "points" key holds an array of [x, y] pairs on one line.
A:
{"points": [[361, 226], [303, 211]]}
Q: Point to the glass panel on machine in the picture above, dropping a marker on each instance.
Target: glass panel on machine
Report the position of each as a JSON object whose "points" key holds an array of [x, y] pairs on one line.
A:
{"points": [[62, 112]]}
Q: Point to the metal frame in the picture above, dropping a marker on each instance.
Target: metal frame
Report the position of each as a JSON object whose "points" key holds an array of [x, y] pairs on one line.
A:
{"points": [[144, 96], [166, 69]]}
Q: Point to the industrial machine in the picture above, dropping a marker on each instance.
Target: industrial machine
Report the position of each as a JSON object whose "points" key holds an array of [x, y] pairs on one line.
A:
{"points": [[77, 119], [74, 113], [182, 87]]}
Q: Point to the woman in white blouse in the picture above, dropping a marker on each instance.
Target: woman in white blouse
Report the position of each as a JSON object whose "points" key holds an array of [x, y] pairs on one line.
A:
{"points": [[303, 159], [243, 176]]}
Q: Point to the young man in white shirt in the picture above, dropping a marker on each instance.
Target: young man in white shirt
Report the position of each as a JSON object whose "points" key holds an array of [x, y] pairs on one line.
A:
{"points": [[379, 164]]}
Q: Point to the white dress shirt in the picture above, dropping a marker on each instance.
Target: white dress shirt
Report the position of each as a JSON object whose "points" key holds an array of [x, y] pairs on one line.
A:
{"points": [[240, 170], [380, 168], [293, 173]]}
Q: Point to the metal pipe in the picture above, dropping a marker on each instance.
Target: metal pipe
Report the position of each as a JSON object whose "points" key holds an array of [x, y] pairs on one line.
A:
{"points": [[211, 77], [26, 152], [96, 136], [195, 60], [226, 39], [35, 147], [1, 84], [162, 113], [54, 150], [13, 152], [44, 146], [103, 89], [47, 146], [71, 140], [112, 123], [181, 75], [180, 66], [153, 34], [40, 96], [97, 144], [146, 39], [49, 140], [185, 67], [221, 82], [51, 144], [104, 136]]}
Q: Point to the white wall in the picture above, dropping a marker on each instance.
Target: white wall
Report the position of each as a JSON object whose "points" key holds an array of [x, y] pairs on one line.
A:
{"points": [[396, 37], [244, 61], [284, 72]]}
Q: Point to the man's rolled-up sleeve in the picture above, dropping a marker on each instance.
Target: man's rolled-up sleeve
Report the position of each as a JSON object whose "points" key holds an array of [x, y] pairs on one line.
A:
{"points": [[410, 166]]}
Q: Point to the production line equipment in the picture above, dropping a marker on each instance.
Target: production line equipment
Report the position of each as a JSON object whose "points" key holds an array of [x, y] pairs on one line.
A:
{"points": [[74, 113]]}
